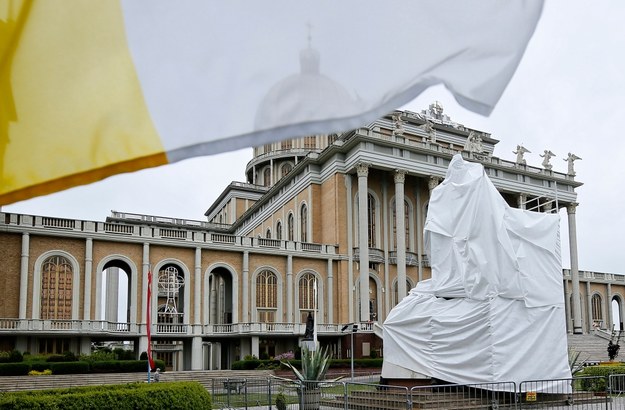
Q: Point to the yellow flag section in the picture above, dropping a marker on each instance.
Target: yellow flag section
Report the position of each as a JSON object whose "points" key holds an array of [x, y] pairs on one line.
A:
{"points": [[71, 108]]}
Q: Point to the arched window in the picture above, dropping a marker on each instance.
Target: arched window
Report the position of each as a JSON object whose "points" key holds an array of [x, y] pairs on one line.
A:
{"points": [[286, 168], [597, 312], [267, 176], [406, 224], [371, 210], [56, 288], [268, 234], [279, 230], [303, 220], [289, 227], [266, 296], [306, 291], [395, 296]]}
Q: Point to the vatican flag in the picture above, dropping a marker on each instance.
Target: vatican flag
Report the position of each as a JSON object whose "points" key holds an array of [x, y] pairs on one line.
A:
{"points": [[89, 89]]}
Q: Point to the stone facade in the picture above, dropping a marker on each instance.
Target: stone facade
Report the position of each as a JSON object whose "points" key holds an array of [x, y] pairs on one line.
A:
{"points": [[243, 281]]}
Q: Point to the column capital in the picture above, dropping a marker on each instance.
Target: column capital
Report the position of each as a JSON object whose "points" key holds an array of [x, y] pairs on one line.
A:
{"points": [[400, 176], [362, 168], [433, 182], [548, 206], [571, 208]]}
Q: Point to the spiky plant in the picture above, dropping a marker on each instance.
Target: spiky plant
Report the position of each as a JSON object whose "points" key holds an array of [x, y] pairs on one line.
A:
{"points": [[315, 364]]}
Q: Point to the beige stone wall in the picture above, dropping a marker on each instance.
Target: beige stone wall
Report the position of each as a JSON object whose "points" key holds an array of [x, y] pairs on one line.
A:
{"points": [[10, 255]]}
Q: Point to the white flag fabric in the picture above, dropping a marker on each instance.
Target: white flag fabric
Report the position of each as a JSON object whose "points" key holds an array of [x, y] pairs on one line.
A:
{"points": [[91, 89]]}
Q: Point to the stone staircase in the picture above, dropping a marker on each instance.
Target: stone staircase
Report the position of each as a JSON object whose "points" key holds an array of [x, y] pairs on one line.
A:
{"points": [[592, 348], [207, 378]]}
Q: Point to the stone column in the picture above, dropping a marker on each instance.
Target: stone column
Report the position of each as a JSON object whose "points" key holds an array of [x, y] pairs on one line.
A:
{"points": [[609, 315], [590, 319], [24, 275], [577, 308], [197, 294], [521, 201], [246, 289], [197, 357], [363, 240], [289, 289], [112, 295], [330, 293], [144, 287], [400, 177], [88, 278], [420, 223]]}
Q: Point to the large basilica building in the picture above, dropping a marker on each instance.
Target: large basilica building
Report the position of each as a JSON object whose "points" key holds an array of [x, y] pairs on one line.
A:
{"points": [[327, 224]]}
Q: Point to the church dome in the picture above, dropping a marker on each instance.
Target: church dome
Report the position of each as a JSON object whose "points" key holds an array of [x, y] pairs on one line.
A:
{"points": [[304, 97]]}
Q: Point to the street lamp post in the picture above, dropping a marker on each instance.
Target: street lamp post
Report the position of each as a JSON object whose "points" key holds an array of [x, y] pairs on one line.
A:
{"points": [[353, 327]]}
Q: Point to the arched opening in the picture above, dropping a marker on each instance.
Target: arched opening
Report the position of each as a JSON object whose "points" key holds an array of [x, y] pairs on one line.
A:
{"points": [[220, 297], [115, 302], [617, 322]]}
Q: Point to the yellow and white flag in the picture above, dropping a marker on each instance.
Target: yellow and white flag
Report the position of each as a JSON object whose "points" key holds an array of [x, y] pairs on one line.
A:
{"points": [[90, 88]]}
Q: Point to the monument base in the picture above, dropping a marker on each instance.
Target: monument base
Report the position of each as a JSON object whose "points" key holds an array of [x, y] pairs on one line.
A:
{"points": [[394, 375], [308, 344]]}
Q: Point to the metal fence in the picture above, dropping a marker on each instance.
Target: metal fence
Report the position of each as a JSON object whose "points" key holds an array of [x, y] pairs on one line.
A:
{"points": [[365, 393]]}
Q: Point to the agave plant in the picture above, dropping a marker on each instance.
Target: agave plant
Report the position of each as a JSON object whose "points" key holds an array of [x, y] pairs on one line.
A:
{"points": [[315, 364]]}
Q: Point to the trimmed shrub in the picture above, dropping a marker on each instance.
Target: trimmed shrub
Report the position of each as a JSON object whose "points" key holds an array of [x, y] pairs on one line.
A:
{"points": [[14, 369], [55, 358], [69, 367], [124, 366], [597, 384], [14, 356], [154, 396]]}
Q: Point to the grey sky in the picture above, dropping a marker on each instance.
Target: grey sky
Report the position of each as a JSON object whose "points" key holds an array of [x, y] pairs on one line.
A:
{"points": [[568, 95]]}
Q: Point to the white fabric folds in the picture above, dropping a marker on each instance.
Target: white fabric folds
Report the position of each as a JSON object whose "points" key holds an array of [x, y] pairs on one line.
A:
{"points": [[493, 310]]}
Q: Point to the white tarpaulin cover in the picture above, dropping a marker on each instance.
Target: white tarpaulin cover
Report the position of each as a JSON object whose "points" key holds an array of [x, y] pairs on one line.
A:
{"points": [[493, 310]]}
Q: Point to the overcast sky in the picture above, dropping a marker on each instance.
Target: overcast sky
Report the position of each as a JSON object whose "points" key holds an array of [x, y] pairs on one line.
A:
{"points": [[568, 95]]}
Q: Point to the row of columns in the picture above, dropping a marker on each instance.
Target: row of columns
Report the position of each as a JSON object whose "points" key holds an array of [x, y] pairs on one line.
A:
{"points": [[362, 170]]}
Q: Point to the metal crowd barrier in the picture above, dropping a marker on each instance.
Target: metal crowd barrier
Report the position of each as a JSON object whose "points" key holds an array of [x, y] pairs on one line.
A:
{"points": [[588, 393]]}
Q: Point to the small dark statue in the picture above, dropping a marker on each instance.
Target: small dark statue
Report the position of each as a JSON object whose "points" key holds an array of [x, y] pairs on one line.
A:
{"points": [[613, 349], [310, 326]]}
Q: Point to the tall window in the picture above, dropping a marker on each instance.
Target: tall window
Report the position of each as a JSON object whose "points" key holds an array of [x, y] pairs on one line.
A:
{"points": [[289, 227], [267, 176], [406, 224], [371, 209], [286, 144], [304, 223], [268, 234], [310, 142], [56, 288], [597, 312], [306, 292], [279, 230], [266, 296]]}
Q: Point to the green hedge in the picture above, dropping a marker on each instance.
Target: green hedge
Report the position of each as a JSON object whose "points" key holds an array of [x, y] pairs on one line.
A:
{"points": [[80, 367], [14, 369], [124, 366], [152, 396], [69, 367]]}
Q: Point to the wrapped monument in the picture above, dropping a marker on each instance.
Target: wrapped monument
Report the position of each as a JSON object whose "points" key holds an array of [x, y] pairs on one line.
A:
{"points": [[493, 310]]}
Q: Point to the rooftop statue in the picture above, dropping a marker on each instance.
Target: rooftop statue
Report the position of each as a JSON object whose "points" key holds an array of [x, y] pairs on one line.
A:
{"points": [[547, 156], [570, 159], [520, 150]]}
